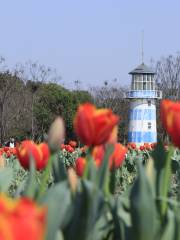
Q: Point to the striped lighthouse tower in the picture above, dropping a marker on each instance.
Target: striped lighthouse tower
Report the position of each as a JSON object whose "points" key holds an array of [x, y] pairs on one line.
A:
{"points": [[142, 114]]}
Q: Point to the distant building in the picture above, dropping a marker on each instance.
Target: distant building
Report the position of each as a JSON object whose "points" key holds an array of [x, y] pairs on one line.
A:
{"points": [[142, 113]]}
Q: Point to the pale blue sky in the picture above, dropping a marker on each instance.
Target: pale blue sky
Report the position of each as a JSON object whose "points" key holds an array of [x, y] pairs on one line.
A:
{"points": [[88, 40]]}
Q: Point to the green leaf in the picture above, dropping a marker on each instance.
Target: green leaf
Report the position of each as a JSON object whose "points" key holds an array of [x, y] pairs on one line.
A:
{"points": [[6, 176], [123, 207], [118, 223], [159, 156], [169, 228], [91, 170], [76, 229], [177, 223], [58, 168], [58, 201], [112, 182], [59, 236], [162, 163], [87, 205], [31, 185], [142, 208], [103, 174]]}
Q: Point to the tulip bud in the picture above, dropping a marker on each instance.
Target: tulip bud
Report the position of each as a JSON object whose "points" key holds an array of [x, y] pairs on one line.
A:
{"points": [[56, 134]]}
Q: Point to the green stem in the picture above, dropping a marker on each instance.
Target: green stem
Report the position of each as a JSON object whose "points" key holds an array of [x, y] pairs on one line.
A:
{"points": [[45, 177], [104, 171], [89, 160]]}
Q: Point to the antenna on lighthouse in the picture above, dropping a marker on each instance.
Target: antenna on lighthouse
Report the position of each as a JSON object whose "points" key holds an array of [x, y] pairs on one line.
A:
{"points": [[142, 46]]}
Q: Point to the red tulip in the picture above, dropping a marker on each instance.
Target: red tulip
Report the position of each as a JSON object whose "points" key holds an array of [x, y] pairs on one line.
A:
{"points": [[132, 146], [40, 153], [80, 166], [113, 138], [21, 219], [166, 115], [170, 117], [116, 159], [118, 156], [73, 143], [153, 145], [8, 154], [6, 149], [62, 146], [69, 148], [142, 147], [94, 126], [98, 154]]}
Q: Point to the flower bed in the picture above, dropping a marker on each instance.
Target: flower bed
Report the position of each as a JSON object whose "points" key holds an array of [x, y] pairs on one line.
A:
{"points": [[102, 191]]}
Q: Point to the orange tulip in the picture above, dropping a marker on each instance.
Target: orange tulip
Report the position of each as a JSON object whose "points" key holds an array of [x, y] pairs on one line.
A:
{"points": [[147, 146], [80, 166], [116, 159], [94, 126], [40, 154], [21, 219], [170, 117]]}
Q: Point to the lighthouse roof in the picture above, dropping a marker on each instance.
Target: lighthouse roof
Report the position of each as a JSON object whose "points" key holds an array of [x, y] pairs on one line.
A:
{"points": [[142, 69]]}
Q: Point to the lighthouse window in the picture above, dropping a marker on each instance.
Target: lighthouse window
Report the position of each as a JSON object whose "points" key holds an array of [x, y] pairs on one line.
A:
{"points": [[152, 85], [135, 88], [139, 85], [136, 77], [148, 86], [149, 102], [132, 84], [149, 125], [144, 85]]}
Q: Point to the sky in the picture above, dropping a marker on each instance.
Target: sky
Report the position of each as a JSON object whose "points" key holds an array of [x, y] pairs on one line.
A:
{"points": [[91, 41]]}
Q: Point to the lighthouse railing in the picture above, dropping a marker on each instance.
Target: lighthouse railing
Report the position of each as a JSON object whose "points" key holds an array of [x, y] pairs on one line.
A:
{"points": [[144, 94]]}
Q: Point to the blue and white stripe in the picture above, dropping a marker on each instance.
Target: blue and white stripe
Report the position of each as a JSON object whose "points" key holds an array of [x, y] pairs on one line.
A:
{"points": [[142, 137], [142, 94], [141, 116]]}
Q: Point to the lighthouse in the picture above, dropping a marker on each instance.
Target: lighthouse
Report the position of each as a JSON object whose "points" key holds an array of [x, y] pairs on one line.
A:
{"points": [[142, 113]]}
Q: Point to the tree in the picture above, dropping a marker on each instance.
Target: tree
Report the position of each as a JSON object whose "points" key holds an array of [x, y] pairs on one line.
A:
{"points": [[168, 80], [54, 100], [11, 103], [168, 76], [111, 95], [34, 74]]}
